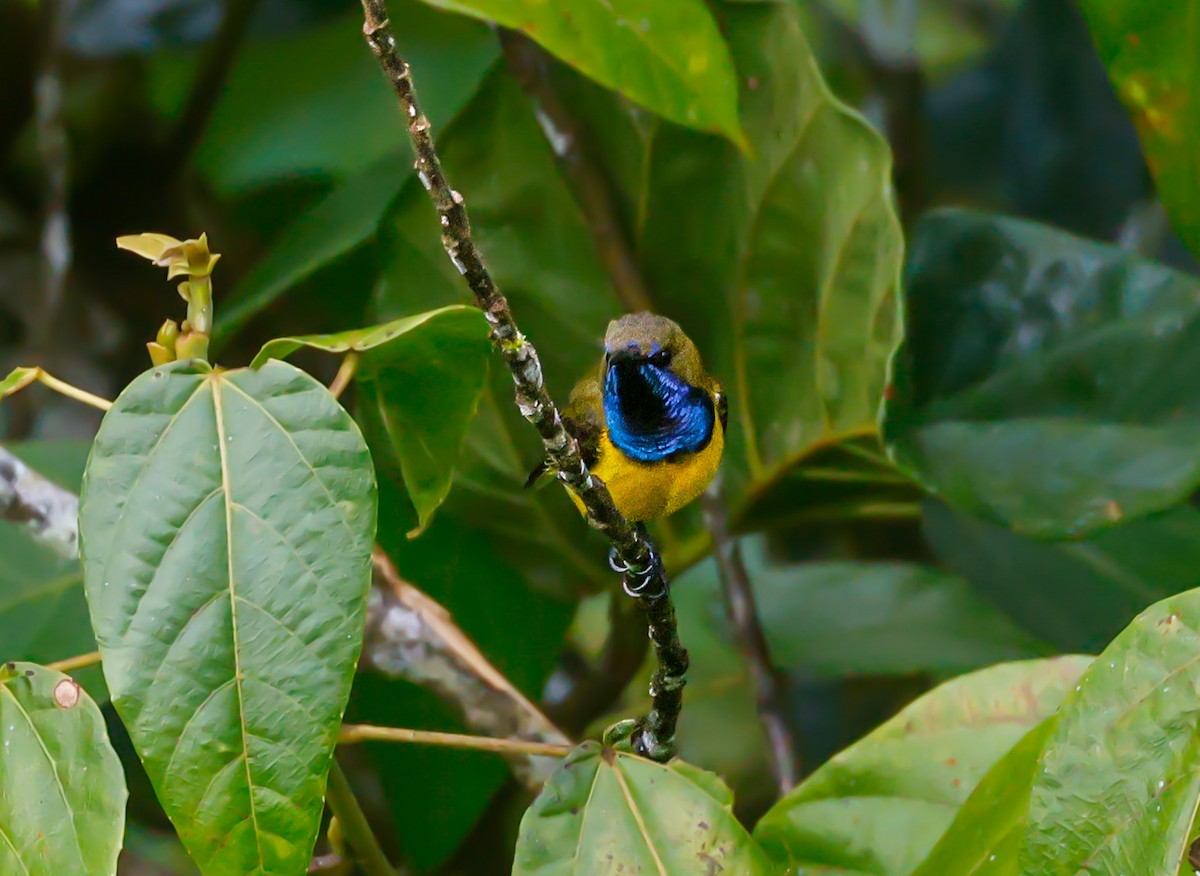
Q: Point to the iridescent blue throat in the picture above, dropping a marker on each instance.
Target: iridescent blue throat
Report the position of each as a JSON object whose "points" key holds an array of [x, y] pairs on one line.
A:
{"points": [[653, 414]]}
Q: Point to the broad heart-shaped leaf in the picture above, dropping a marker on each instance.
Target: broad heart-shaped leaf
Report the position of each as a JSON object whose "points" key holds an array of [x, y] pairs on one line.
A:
{"points": [[985, 837], [423, 375], [540, 251], [667, 55], [604, 812], [783, 267], [1075, 594], [1118, 784], [62, 787], [877, 808], [226, 522], [1149, 50], [43, 612], [1047, 381]]}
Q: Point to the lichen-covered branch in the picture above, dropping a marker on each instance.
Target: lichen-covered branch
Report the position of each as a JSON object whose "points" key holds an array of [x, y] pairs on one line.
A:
{"points": [[769, 687], [654, 735], [411, 636], [48, 512]]}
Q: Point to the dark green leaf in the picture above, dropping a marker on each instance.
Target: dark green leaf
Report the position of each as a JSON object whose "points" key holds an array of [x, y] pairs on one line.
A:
{"points": [[1150, 52], [667, 55], [1047, 381], [339, 223], [607, 812], [985, 837], [43, 612], [62, 789], [315, 104], [1099, 583], [1118, 788], [226, 523], [881, 805]]}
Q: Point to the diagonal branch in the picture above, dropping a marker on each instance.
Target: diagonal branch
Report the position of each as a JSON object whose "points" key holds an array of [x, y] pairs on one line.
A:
{"points": [[48, 512], [654, 735], [411, 636], [769, 687]]}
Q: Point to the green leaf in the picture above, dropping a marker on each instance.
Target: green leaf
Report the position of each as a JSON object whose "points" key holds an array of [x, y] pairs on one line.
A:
{"points": [[985, 837], [1149, 50], [667, 55], [342, 221], [17, 379], [881, 805], [226, 523], [1117, 787], [43, 612], [1100, 583], [422, 375], [314, 105], [789, 280], [1047, 381], [62, 788], [604, 811]]}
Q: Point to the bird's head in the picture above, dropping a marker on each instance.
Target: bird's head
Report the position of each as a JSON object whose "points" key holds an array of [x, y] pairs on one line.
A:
{"points": [[638, 339]]}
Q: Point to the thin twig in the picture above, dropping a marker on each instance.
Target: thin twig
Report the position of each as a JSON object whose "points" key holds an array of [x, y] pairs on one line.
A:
{"points": [[770, 687], [79, 661], [528, 63], [354, 733], [54, 151], [73, 392], [357, 831], [654, 735], [206, 88], [345, 374], [48, 512]]}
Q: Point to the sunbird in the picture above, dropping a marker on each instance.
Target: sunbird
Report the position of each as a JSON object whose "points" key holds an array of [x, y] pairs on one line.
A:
{"points": [[650, 421]]}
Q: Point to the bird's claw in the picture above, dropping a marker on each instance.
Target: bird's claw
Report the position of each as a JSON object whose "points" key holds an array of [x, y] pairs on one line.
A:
{"points": [[636, 581]]}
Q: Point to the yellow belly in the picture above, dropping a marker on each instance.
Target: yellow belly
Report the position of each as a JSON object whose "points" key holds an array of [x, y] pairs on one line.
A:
{"points": [[645, 491]]}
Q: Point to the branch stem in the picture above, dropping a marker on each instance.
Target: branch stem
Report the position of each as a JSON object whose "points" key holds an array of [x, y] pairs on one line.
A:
{"points": [[72, 392], [355, 733], [644, 578], [79, 661], [359, 836], [345, 374], [770, 687]]}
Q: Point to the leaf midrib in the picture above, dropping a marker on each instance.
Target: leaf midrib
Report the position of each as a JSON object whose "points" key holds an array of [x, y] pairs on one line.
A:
{"points": [[226, 483]]}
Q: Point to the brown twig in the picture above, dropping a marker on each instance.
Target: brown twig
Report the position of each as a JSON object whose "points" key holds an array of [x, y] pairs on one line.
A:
{"points": [[770, 687], [644, 577], [354, 733], [528, 63]]}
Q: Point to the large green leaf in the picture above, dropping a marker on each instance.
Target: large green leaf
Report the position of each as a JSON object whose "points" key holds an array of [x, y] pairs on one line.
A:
{"points": [[423, 375], [783, 267], [1076, 594], [608, 812], [226, 521], [1150, 52], [62, 788], [1047, 381], [667, 55], [985, 837], [1118, 784], [43, 612], [877, 808]]}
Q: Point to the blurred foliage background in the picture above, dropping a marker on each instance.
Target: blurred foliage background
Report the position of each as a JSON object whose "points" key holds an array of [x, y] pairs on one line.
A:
{"points": [[267, 124]]}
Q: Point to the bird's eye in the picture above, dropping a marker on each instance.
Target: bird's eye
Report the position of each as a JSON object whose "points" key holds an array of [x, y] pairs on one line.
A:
{"points": [[662, 358]]}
